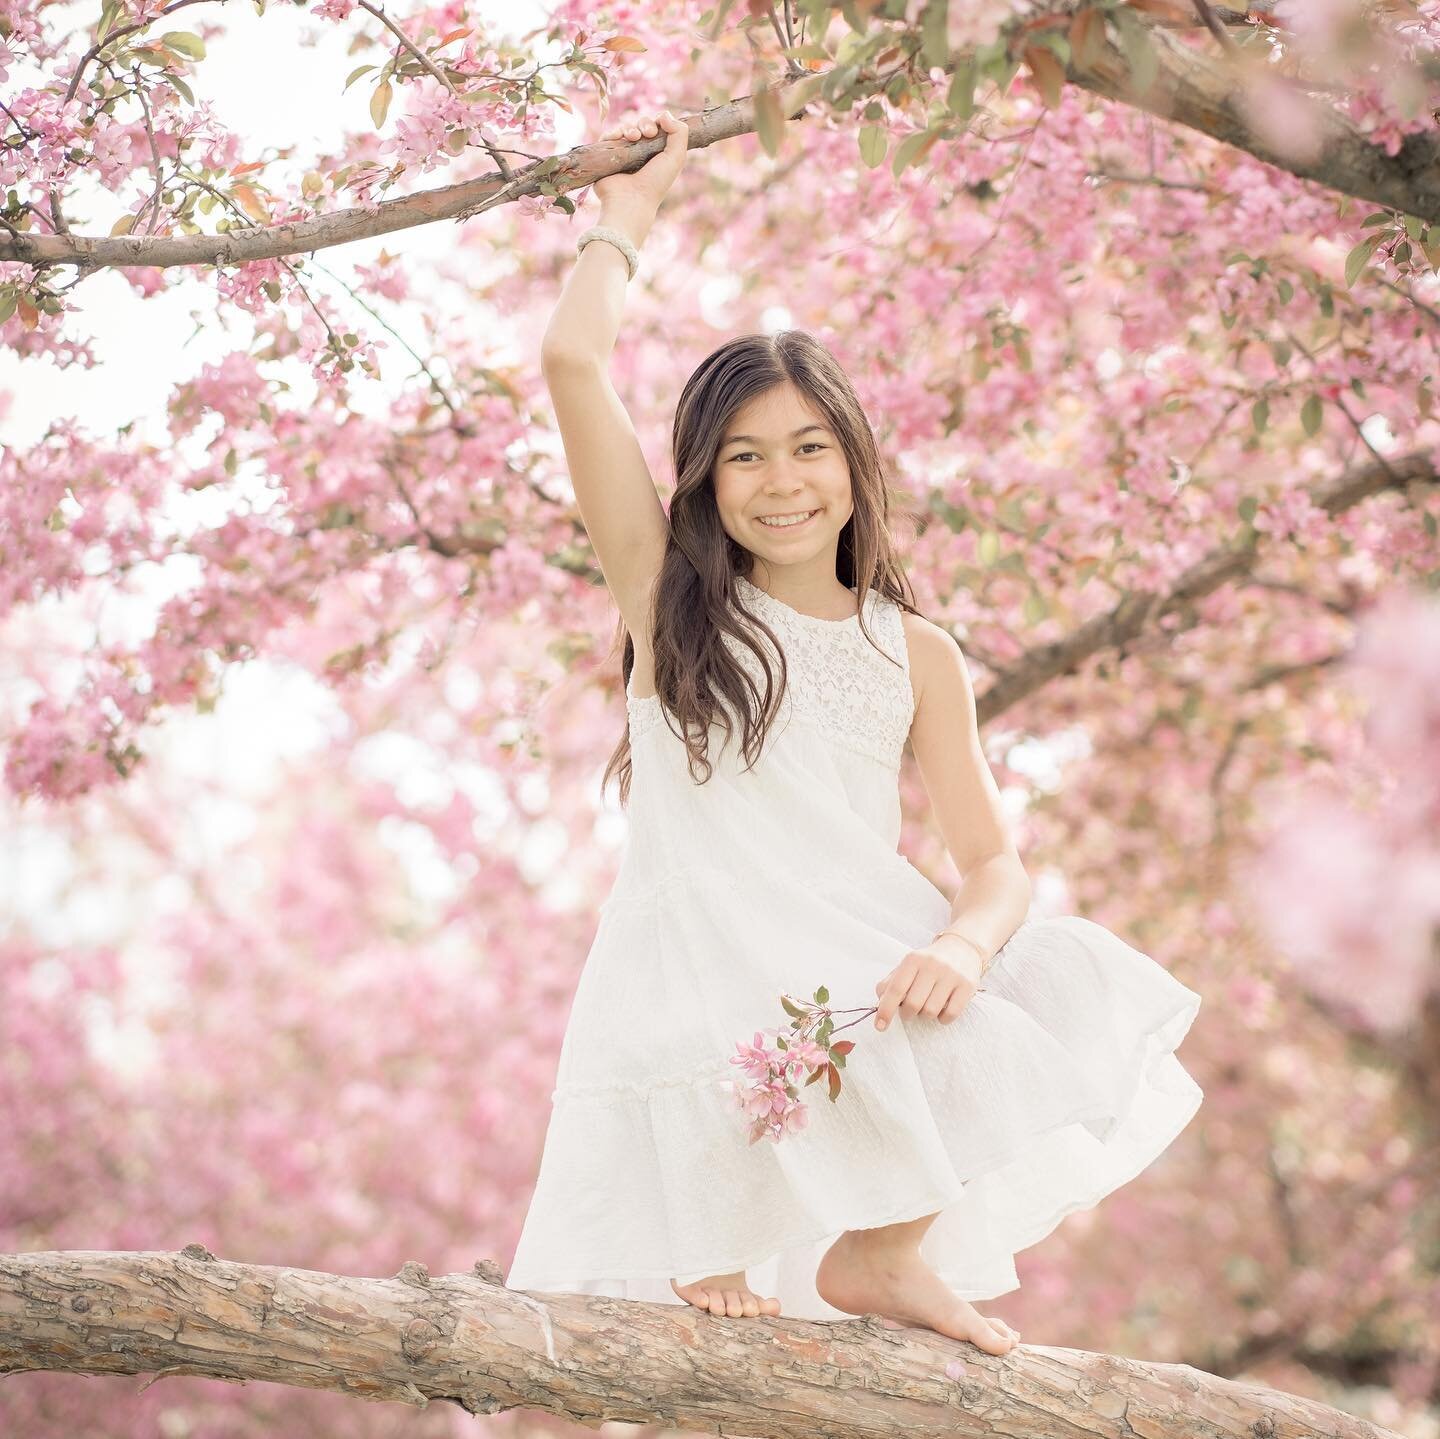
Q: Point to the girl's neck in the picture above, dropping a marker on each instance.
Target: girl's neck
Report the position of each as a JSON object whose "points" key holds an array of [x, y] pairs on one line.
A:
{"points": [[815, 597]]}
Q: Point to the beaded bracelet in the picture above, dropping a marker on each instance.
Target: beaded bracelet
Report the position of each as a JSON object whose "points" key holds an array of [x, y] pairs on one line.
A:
{"points": [[622, 242]]}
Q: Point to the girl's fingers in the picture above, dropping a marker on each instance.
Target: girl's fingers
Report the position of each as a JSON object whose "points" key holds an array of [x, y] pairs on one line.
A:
{"points": [[632, 130]]}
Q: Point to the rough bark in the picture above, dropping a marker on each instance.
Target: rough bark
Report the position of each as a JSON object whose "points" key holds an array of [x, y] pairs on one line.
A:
{"points": [[1201, 90], [1193, 88], [470, 1341]]}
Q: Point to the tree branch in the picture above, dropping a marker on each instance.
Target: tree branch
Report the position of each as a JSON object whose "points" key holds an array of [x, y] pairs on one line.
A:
{"points": [[571, 171], [1203, 93], [468, 1340], [1122, 624]]}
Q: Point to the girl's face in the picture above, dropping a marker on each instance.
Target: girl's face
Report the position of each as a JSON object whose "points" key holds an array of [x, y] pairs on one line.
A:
{"points": [[779, 458]]}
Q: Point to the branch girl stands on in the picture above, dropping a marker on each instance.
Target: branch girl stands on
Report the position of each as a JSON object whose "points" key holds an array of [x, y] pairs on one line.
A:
{"points": [[775, 669]]}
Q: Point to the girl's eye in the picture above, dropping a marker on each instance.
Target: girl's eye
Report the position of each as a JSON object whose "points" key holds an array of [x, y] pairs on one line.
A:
{"points": [[809, 444]]}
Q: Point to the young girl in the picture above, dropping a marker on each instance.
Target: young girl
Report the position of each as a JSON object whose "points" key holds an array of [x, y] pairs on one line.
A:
{"points": [[774, 672]]}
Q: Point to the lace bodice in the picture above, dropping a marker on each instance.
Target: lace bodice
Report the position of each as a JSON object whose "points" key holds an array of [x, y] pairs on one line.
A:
{"points": [[837, 682]]}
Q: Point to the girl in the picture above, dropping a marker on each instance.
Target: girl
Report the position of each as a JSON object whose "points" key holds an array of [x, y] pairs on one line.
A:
{"points": [[774, 672]]}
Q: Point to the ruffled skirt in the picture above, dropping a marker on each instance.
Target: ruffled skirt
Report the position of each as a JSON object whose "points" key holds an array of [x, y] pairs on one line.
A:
{"points": [[1057, 1084]]}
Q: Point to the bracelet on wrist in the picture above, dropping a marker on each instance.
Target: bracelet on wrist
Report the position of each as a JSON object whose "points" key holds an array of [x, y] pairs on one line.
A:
{"points": [[985, 960], [618, 238]]}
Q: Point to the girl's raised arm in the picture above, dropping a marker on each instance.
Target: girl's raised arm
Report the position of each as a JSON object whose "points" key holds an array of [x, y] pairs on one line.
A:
{"points": [[613, 486]]}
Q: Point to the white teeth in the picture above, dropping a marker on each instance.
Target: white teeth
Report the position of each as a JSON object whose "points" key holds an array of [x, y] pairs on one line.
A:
{"points": [[792, 520]]}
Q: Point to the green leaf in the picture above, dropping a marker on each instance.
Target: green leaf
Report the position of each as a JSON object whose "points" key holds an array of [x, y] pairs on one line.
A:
{"points": [[1260, 414], [1377, 217], [822, 995], [1310, 414], [873, 144], [1286, 290], [791, 1009], [989, 547], [1247, 508], [960, 98], [911, 148], [185, 42], [934, 44], [1035, 608], [1355, 260], [354, 75]]}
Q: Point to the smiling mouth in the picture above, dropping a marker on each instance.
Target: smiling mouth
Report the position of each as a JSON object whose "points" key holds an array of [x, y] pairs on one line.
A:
{"points": [[787, 522]]}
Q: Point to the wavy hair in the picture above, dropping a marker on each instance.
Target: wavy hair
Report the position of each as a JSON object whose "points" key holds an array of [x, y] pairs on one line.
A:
{"points": [[695, 600]]}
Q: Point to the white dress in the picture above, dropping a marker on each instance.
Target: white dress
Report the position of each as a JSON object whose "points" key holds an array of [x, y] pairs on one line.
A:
{"points": [[1057, 1083]]}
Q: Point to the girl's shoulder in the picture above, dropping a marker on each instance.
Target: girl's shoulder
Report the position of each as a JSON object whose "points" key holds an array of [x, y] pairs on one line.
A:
{"points": [[932, 650]]}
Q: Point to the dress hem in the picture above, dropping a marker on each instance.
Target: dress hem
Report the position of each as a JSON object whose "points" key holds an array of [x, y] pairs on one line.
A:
{"points": [[937, 1202]]}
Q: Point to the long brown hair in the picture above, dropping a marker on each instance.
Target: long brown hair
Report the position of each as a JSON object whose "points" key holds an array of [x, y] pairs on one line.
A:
{"points": [[695, 603]]}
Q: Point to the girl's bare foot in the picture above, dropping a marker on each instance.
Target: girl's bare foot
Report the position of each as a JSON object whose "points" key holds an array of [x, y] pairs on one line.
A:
{"points": [[727, 1294], [863, 1276]]}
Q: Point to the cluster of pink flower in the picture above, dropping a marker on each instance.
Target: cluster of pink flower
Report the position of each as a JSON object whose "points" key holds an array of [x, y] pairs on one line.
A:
{"points": [[770, 1097]]}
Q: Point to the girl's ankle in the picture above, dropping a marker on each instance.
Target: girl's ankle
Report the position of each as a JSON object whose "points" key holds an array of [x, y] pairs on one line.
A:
{"points": [[884, 1245]]}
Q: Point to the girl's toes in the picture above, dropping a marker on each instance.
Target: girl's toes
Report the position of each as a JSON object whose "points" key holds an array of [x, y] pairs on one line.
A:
{"points": [[750, 1305], [733, 1306]]}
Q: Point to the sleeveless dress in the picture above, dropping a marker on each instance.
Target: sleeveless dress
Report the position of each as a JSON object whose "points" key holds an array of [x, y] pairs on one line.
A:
{"points": [[1057, 1083]]}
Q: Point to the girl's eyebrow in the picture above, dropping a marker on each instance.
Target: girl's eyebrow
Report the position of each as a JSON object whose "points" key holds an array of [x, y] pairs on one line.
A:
{"points": [[756, 440]]}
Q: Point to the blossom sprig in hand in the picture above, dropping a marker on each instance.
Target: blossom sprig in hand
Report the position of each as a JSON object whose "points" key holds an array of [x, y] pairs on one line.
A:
{"points": [[770, 1097]]}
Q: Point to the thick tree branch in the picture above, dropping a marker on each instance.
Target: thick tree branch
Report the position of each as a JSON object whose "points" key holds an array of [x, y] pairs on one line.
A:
{"points": [[1121, 625], [1203, 92], [466, 1339]]}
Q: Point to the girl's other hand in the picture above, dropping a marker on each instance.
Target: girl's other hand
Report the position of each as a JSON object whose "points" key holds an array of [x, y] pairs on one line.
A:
{"points": [[642, 190], [928, 981]]}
